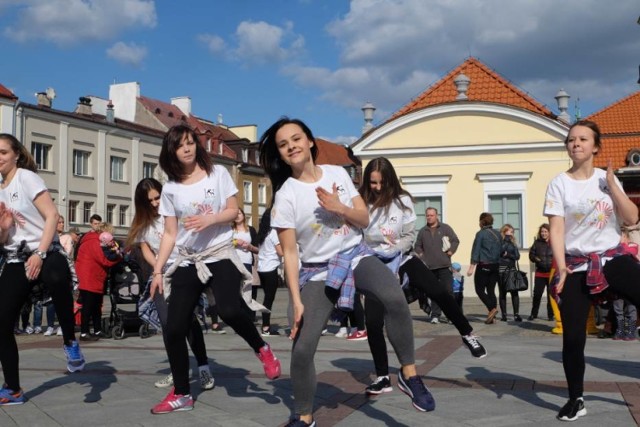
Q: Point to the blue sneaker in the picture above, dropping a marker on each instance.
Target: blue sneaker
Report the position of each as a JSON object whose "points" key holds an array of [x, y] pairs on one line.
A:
{"points": [[75, 359], [420, 395], [10, 397]]}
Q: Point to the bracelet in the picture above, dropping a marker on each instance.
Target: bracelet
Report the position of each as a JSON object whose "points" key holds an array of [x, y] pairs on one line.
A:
{"points": [[155, 274]]}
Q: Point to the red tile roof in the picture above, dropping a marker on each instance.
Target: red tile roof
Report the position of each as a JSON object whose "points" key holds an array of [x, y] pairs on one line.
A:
{"points": [[486, 86], [6, 93], [332, 154], [619, 125]]}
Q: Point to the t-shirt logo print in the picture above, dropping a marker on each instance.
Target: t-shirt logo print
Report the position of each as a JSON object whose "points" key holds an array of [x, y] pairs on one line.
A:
{"points": [[14, 197], [393, 220], [209, 192]]}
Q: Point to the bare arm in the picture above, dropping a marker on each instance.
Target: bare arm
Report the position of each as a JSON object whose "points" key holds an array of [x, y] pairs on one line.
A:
{"points": [[147, 254], [202, 221], [166, 246], [556, 224], [287, 237], [625, 208], [46, 208]]}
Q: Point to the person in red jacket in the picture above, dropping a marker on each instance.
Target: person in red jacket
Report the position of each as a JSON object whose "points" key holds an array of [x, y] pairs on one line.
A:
{"points": [[92, 267]]}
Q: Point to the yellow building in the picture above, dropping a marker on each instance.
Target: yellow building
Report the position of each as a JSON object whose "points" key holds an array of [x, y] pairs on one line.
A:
{"points": [[473, 142]]}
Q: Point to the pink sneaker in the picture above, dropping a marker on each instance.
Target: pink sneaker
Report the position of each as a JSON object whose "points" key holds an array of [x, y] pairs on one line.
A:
{"points": [[270, 362], [357, 336], [173, 402]]}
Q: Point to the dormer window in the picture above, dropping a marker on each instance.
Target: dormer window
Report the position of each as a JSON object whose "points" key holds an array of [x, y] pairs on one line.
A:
{"points": [[633, 157], [158, 111], [170, 114], [245, 155]]}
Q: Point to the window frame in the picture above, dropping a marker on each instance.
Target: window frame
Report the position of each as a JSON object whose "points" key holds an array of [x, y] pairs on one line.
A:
{"points": [[46, 155], [84, 157], [117, 168]]}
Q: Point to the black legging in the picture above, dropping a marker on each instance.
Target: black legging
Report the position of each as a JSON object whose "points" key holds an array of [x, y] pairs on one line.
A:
{"points": [[622, 274], [485, 279], [91, 311], [269, 281], [423, 279], [185, 292], [355, 317], [14, 290], [502, 295], [539, 285]]}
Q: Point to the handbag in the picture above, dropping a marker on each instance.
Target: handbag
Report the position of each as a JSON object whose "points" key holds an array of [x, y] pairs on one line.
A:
{"points": [[515, 279]]}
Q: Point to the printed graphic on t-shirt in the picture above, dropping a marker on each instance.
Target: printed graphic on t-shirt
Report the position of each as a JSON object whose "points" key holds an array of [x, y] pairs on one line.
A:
{"points": [[329, 224], [18, 219], [594, 213]]}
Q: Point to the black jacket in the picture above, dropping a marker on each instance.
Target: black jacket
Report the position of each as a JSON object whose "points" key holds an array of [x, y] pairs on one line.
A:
{"points": [[540, 254]]}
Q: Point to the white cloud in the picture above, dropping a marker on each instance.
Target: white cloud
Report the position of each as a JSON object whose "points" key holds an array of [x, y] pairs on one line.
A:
{"points": [[128, 54], [257, 43], [67, 22]]}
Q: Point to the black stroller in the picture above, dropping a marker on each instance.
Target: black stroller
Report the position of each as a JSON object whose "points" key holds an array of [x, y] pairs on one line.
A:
{"points": [[124, 288]]}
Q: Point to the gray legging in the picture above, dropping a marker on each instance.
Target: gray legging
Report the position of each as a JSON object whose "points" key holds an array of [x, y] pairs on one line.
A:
{"points": [[372, 277]]}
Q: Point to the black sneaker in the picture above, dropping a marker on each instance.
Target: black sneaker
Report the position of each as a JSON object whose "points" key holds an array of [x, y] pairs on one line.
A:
{"points": [[419, 393], [297, 422], [572, 410], [476, 349], [379, 386]]}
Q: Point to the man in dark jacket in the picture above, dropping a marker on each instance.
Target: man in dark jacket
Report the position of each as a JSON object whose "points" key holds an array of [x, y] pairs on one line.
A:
{"points": [[435, 245]]}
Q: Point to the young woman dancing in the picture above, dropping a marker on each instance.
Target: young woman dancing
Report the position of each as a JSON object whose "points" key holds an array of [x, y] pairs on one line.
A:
{"points": [[269, 260], [586, 207], [147, 228], [390, 234], [28, 220], [198, 204], [319, 215]]}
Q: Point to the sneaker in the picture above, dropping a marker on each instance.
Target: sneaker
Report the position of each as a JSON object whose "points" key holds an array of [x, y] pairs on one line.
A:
{"points": [[342, 333], [18, 331], [419, 393], [379, 386], [269, 333], [476, 349], [50, 330], [28, 330], [59, 331], [631, 334], [357, 336], [297, 422], [435, 320], [531, 318], [218, 329], [573, 409], [10, 397], [619, 335], [325, 331], [173, 402], [165, 382], [270, 362], [206, 380], [37, 330], [88, 337], [75, 359], [517, 318], [491, 316]]}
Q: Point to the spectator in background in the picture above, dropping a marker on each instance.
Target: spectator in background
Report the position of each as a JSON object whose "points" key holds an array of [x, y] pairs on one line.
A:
{"points": [[541, 255], [458, 284], [509, 254], [95, 221], [435, 245]]}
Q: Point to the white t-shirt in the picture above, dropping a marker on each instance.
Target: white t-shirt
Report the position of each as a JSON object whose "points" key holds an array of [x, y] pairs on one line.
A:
{"points": [[590, 221], [268, 259], [18, 197], [320, 234], [245, 256], [153, 235], [209, 195], [385, 229]]}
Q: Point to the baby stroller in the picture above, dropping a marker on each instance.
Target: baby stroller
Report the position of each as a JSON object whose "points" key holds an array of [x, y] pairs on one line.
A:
{"points": [[124, 289]]}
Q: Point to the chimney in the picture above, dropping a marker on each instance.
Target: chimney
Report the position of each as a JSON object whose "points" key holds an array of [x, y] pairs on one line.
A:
{"points": [[183, 103], [111, 118], [125, 97], [219, 120], [368, 110], [562, 98], [43, 99], [84, 106], [462, 85]]}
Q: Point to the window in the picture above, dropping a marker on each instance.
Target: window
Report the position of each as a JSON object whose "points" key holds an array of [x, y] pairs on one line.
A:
{"points": [[86, 212], [81, 162], [40, 153], [245, 155], [123, 214], [148, 169], [507, 209], [117, 168], [72, 215], [110, 210], [262, 194], [247, 191], [421, 205]]}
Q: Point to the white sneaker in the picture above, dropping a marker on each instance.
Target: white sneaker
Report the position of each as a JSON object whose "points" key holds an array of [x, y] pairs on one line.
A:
{"points": [[28, 330], [165, 382], [37, 330], [59, 331], [342, 332], [49, 331]]}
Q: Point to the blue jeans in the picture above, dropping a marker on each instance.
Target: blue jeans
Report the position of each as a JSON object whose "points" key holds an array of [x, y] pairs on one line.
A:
{"points": [[37, 315]]}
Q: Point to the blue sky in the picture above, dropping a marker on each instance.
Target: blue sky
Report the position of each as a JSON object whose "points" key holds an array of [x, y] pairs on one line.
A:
{"points": [[319, 60]]}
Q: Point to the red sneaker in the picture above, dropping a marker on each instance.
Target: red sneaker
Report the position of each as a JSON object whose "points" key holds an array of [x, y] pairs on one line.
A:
{"points": [[270, 362], [173, 402], [357, 336]]}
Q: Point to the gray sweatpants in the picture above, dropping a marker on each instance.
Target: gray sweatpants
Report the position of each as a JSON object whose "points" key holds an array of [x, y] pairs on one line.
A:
{"points": [[372, 277]]}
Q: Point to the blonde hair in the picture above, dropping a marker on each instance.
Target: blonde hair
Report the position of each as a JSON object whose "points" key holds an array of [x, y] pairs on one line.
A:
{"points": [[104, 226], [503, 231]]}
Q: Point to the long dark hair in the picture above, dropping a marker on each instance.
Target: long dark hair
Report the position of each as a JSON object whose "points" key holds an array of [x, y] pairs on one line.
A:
{"points": [[390, 191], [546, 227], [169, 161], [25, 160], [265, 227], [234, 226], [277, 170], [144, 215]]}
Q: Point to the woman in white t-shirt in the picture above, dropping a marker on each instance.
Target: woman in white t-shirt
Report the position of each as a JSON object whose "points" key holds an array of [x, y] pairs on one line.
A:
{"points": [[146, 230], [244, 240], [391, 234], [269, 260], [198, 204], [319, 216], [28, 220], [586, 207]]}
